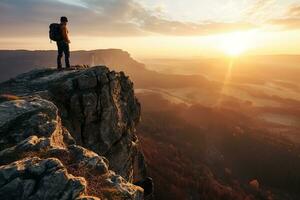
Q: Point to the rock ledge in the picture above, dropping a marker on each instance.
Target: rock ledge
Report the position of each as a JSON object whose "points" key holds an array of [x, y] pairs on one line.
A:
{"points": [[70, 135]]}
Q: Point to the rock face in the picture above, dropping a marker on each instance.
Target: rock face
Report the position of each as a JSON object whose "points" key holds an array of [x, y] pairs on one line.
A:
{"points": [[70, 135]]}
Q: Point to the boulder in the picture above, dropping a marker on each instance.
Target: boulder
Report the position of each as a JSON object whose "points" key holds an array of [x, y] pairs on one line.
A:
{"points": [[36, 178]]}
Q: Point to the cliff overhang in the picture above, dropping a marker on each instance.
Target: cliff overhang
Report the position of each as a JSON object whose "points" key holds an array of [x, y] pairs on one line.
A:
{"points": [[70, 135]]}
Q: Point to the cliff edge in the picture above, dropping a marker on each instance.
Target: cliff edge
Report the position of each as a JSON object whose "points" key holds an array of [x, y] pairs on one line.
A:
{"points": [[70, 135]]}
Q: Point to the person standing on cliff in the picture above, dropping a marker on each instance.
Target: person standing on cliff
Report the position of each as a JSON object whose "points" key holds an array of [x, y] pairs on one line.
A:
{"points": [[63, 44]]}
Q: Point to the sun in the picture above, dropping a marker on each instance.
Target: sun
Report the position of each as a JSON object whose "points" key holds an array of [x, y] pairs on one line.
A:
{"points": [[236, 43]]}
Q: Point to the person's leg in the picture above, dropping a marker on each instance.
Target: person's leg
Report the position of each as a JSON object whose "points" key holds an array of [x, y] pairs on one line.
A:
{"points": [[59, 54], [67, 55]]}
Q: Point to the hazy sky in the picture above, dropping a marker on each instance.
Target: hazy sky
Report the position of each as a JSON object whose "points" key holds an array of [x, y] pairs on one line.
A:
{"points": [[156, 28]]}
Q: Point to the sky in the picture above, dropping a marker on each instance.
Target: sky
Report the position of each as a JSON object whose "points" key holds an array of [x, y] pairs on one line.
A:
{"points": [[157, 28]]}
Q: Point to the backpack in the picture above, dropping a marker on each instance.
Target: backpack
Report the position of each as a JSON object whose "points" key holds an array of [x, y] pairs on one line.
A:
{"points": [[55, 33]]}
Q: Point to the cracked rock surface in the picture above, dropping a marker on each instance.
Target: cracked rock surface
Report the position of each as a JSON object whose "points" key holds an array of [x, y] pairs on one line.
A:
{"points": [[70, 135]]}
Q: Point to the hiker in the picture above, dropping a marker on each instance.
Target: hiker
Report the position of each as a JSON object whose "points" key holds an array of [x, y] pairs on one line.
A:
{"points": [[59, 33], [63, 45]]}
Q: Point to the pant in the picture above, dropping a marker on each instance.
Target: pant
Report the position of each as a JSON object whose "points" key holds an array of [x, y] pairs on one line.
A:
{"points": [[63, 48]]}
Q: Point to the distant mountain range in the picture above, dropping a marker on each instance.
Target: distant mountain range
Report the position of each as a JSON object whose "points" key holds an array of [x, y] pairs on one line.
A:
{"points": [[14, 62]]}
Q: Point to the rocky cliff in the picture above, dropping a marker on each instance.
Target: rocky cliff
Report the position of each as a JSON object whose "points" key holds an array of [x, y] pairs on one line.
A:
{"points": [[70, 135]]}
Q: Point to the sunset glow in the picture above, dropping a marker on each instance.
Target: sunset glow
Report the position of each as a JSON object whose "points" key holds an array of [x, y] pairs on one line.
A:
{"points": [[150, 99], [185, 29]]}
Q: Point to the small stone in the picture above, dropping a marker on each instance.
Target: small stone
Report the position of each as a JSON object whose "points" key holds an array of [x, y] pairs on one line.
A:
{"points": [[254, 184]]}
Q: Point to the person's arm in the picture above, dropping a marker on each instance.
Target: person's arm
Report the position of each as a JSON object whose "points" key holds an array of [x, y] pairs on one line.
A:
{"points": [[65, 34]]}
